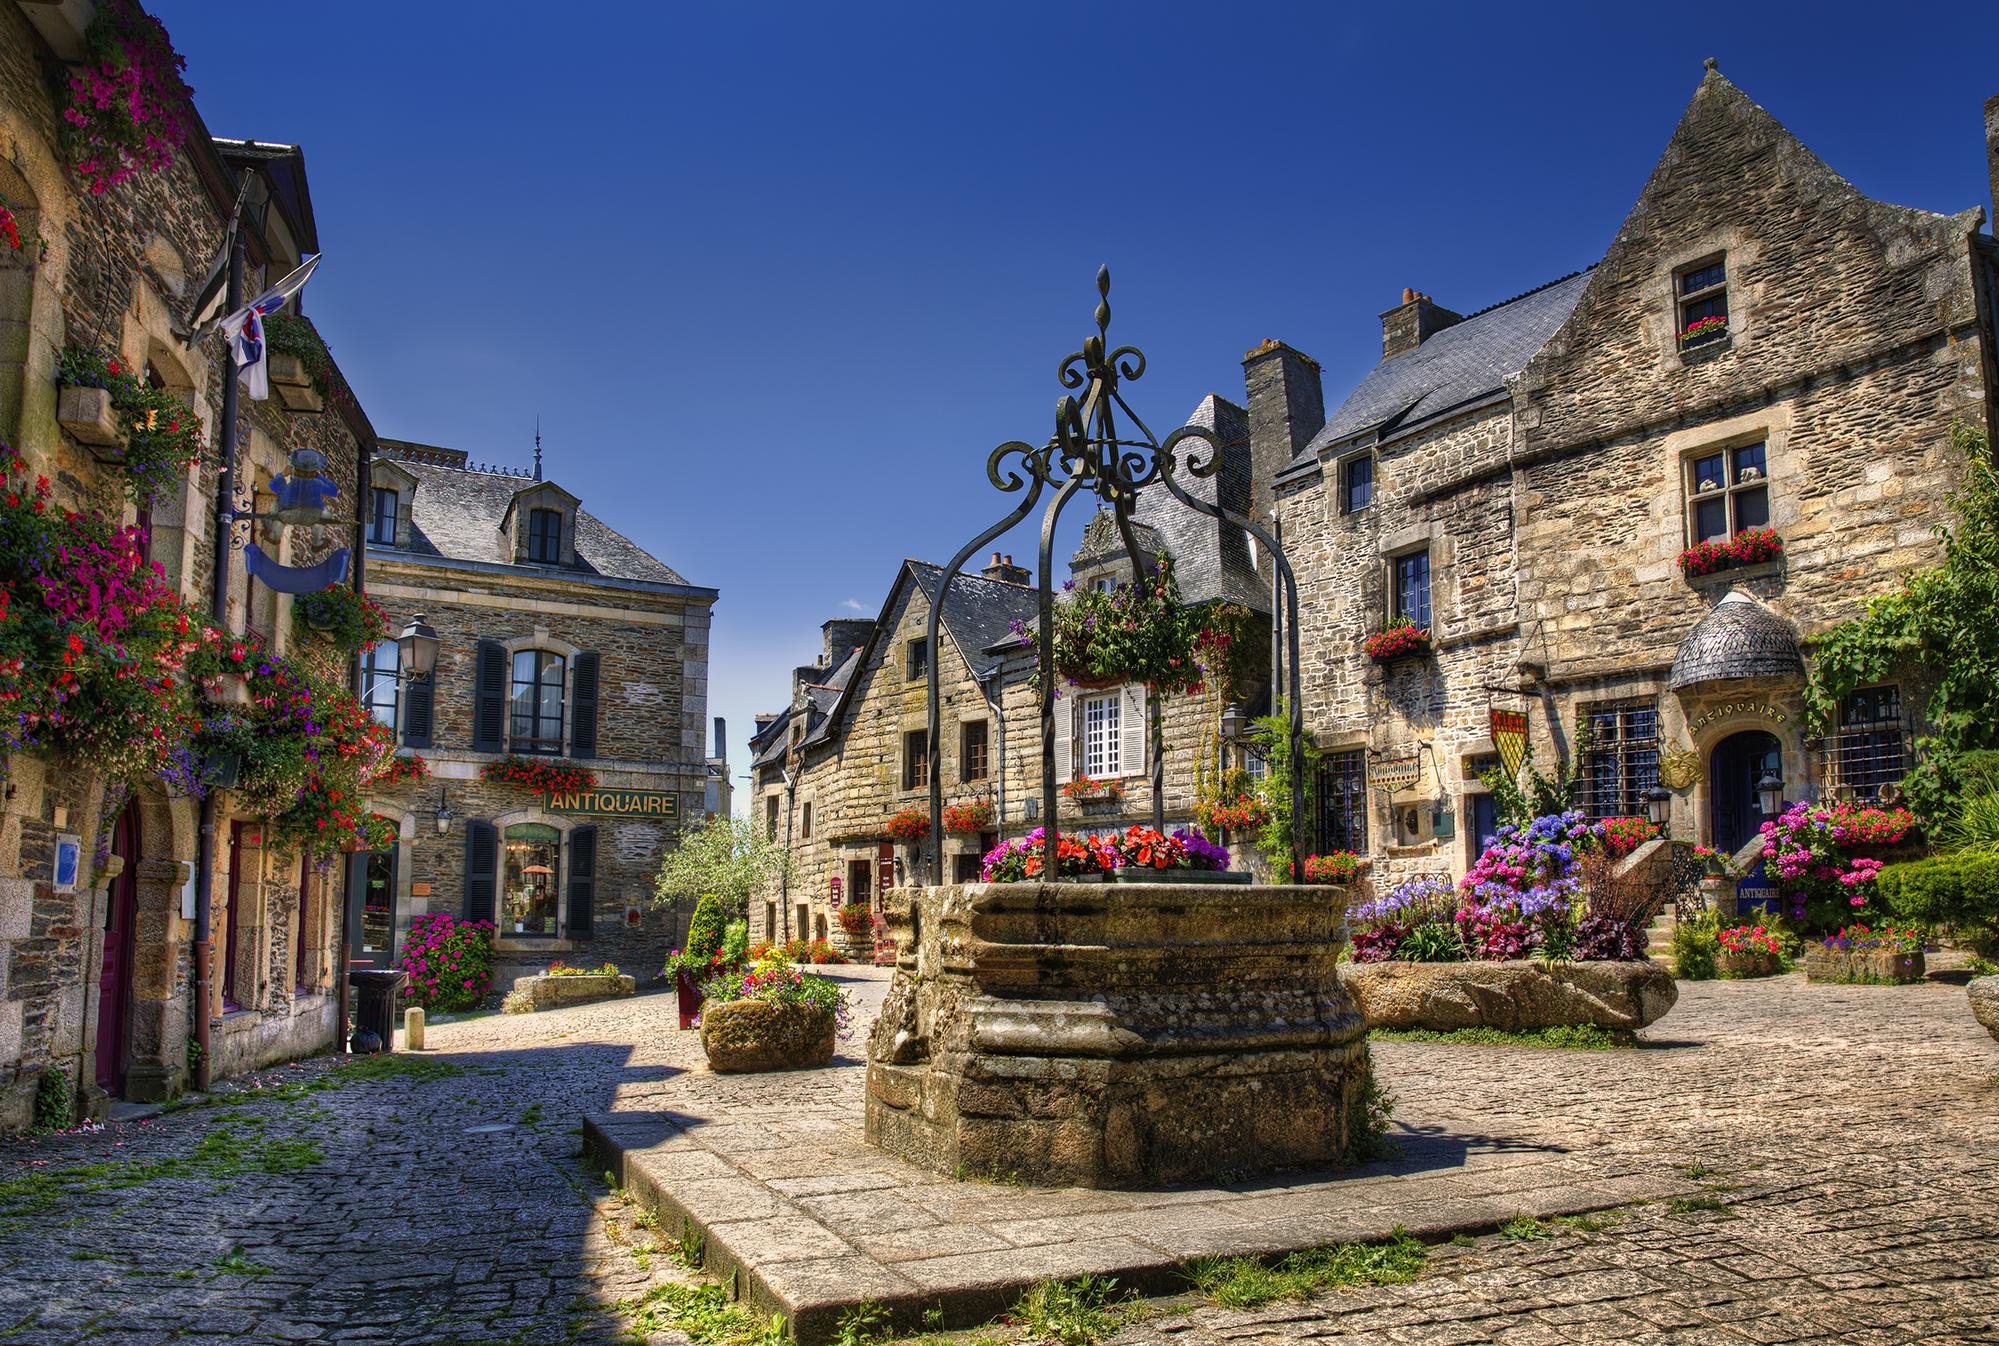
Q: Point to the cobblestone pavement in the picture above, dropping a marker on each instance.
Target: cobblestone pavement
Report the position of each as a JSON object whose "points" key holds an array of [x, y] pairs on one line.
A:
{"points": [[1849, 1133]]}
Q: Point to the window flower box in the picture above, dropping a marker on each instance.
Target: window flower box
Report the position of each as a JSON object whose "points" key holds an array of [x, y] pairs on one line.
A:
{"points": [[87, 415], [1400, 640], [974, 817], [1704, 331], [1752, 546], [538, 774], [908, 825], [1084, 790]]}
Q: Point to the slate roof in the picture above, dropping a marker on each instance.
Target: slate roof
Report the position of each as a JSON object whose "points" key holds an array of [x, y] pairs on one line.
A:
{"points": [[771, 742], [1457, 366], [456, 514], [978, 612], [1212, 557], [1739, 638]]}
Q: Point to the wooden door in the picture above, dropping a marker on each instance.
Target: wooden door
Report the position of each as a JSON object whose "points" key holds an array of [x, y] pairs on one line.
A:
{"points": [[114, 986]]}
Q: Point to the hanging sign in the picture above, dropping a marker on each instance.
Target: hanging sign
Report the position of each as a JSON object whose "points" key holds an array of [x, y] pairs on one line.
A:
{"points": [[1509, 735], [642, 803], [1396, 770]]}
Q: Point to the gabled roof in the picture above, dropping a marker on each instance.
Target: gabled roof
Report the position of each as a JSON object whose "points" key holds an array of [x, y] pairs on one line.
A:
{"points": [[1459, 365], [978, 612]]}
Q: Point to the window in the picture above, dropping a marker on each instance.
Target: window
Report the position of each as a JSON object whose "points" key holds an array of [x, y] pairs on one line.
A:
{"points": [[974, 761], [1412, 588], [1100, 737], [1868, 754], [1105, 584], [1622, 759], [536, 718], [386, 502], [1356, 484], [528, 879], [1703, 298], [805, 820], [378, 682], [1728, 492], [545, 536], [916, 659], [916, 759], [1343, 802], [770, 817]]}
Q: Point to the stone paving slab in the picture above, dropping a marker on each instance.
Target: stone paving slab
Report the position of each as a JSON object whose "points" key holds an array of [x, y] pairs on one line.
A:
{"points": [[812, 1220]]}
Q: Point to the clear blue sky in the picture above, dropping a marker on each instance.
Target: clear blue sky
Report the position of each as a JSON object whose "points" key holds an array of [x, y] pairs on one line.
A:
{"points": [[776, 278]]}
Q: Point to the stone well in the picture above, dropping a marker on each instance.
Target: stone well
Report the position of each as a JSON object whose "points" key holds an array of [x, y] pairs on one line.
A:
{"points": [[1115, 1035]]}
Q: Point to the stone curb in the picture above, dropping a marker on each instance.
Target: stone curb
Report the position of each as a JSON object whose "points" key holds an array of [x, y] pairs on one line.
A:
{"points": [[784, 1260]]}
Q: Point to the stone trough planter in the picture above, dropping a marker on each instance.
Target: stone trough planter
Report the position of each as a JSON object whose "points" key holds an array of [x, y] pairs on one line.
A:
{"points": [[1739, 963], [1874, 967], [554, 992], [1518, 995], [1984, 992], [754, 1035], [1115, 1036]]}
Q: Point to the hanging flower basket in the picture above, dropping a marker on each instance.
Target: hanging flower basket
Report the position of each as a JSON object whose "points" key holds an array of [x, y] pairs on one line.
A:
{"points": [[1132, 632], [974, 817], [161, 436], [1400, 640], [908, 825], [128, 107], [1748, 547], [351, 621], [538, 774]]}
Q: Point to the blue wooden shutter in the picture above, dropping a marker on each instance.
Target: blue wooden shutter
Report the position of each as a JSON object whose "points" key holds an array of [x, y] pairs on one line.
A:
{"points": [[583, 707], [489, 698], [582, 878], [482, 861]]}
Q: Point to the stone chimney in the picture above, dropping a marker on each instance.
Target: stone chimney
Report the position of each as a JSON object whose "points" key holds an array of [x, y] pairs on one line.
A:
{"points": [[1992, 151], [764, 720], [1287, 406], [721, 748], [841, 636], [1003, 569], [1412, 322]]}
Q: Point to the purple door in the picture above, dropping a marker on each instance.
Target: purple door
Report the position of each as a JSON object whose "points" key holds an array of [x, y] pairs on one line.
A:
{"points": [[114, 986]]}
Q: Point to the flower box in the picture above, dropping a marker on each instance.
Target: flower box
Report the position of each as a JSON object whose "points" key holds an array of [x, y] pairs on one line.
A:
{"points": [[1750, 547], [1885, 966], [1745, 963], [758, 1035], [908, 825], [965, 818], [287, 370], [86, 414], [1404, 640], [1704, 331], [305, 399]]}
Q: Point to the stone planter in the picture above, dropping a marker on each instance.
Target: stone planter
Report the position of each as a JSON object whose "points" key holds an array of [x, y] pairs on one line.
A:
{"points": [[1731, 963], [749, 1035], [1517, 995], [1867, 967], [87, 415], [1984, 992], [1143, 1034], [554, 992], [1139, 874]]}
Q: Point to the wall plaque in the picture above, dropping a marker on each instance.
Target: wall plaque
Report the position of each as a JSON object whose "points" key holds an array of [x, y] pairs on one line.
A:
{"points": [[1395, 771]]}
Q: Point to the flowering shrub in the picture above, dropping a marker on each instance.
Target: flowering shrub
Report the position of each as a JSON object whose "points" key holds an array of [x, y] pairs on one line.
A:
{"points": [[10, 229], [449, 961], [1719, 864], [1621, 836], [1336, 867], [1024, 858], [351, 621], [974, 817], [162, 435], [1243, 813], [1818, 855], [856, 920], [1745, 548], [1396, 640], [771, 980], [1416, 920], [1906, 939], [1709, 326], [538, 773], [1749, 939], [1081, 787], [128, 107], [908, 825], [403, 767], [1145, 848]]}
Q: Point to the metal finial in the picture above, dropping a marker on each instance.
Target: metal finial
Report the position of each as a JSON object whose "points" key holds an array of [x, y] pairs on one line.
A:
{"points": [[537, 446], [1711, 69]]}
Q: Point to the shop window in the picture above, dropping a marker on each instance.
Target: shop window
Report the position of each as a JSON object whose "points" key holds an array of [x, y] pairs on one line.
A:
{"points": [[1621, 761], [916, 760], [1727, 493], [1701, 293], [1356, 484], [527, 879], [536, 703], [1869, 754], [1412, 588], [974, 756], [1343, 802]]}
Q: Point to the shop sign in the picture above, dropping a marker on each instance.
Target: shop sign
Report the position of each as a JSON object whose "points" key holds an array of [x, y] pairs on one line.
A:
{"points": [[614, 803], [1509, 736], [1761, 709], [1397, 770]]}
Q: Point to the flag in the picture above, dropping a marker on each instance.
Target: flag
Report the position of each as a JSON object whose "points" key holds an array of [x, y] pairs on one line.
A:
{"points": [[207, 310], [245, 329]]}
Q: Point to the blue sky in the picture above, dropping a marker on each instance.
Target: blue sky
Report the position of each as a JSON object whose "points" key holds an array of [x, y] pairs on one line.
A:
{"points": [[776, 278]]}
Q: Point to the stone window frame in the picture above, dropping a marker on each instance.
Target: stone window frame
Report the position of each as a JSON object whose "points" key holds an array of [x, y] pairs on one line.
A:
{"points": [[534, 495], [1703, 297], [1885, 738], [564, 824], [916, 759], [542, 640], [985, 772], [377, 497], [805, 820], [1624, 747], [770, 816], [915, 658], [1692, 495], [1394, 578], [386, 473], [1112, 735], [1344, 487], [374, 697]]}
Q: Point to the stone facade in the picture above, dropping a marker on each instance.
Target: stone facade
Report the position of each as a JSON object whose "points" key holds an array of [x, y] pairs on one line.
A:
{"points": [[624, 639], [120, 270], [1553, 499]]}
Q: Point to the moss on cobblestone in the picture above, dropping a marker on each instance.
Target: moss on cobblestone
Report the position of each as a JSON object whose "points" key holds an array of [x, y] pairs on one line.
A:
{"points": [[229, 1149]]}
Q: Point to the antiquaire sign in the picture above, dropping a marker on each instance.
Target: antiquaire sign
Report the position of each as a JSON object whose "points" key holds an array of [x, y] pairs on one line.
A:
{"points": [[618, 803]]}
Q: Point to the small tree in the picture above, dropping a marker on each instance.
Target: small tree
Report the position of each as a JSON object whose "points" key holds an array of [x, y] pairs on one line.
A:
{"points": [[732, 858], [704, 929]]}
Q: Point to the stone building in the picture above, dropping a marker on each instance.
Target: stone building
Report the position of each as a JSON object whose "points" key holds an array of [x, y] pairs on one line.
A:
{"points": [[1762, 346], [850, 751], [97, 974], [559, 638]]}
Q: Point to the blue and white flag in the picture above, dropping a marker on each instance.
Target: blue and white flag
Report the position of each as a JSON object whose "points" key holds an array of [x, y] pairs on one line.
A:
{"points": [[245, 329]]}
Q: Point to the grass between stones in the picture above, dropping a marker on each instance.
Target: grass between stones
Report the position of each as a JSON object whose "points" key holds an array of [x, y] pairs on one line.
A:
{"points": [[1245, 1282], [704, 1312], [1581, 1037], [230, 1149]]}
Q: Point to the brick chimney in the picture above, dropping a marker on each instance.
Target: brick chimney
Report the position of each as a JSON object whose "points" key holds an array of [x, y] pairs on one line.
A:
{"points": [[1412, 322], [1287, 406], [841, 636], [1992, 151], [1003, 569]]}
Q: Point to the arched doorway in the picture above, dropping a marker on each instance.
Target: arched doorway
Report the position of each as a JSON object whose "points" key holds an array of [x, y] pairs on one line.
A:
{"points": [[114, 987], [1737, 763]]}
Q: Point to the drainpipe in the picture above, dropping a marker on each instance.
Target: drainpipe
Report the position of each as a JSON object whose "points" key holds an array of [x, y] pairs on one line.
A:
{"points": [[996, 698], [364, 456], [218, 611], [784, 876]]}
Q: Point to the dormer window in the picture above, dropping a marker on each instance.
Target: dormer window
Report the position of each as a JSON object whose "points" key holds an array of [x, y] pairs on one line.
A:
{"points": [[386, 503], [545, 536], [1702, 301]]}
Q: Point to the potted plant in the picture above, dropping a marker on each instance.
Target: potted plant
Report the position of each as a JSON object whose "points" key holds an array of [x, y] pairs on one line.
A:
{"points": [[1145, 855], [690, 966], [973, 817], [156, 435], [1335, 867], [128, 104], [1747, 951], [1245, 812], [1398, 640], [1077, 859], [771, 1017], [1131, 632]]}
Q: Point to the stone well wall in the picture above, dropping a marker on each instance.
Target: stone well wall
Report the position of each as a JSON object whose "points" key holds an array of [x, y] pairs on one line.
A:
{"points": [[1115, 1035]]}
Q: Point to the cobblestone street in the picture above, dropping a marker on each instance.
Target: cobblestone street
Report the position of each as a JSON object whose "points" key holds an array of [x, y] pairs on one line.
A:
{"points": [[1844, 1133]]}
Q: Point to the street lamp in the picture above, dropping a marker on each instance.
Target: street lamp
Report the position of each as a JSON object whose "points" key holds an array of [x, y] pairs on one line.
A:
{"points": [[1658, 805], [443, 812], [1770, 793], [1232, 723], [417, 648]]}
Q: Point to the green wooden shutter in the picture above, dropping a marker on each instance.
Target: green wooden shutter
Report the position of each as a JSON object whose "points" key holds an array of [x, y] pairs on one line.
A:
{"points": [[482, 863]]}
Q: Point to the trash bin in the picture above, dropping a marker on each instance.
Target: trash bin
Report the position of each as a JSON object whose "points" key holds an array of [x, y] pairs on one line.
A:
{"points": [[374, 1008]]}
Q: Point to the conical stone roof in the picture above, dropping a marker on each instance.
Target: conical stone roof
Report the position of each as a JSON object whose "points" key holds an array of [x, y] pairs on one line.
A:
{"points": [[1739, 638]]}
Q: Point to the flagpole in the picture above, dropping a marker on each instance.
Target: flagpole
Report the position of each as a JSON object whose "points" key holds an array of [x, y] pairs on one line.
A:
{"points": [[225, 528]]}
